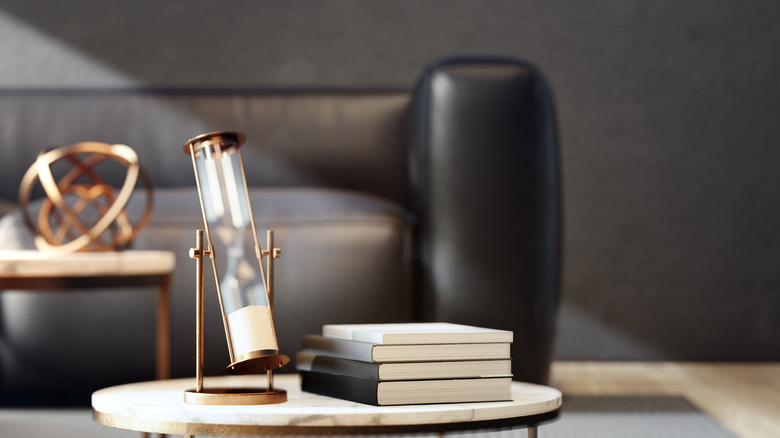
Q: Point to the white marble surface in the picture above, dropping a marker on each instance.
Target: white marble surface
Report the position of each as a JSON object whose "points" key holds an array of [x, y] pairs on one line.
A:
{"points": [[162, 401], [31, 263]]}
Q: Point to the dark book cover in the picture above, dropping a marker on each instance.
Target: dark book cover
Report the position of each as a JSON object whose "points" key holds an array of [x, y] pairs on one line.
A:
{"points": [[343, 387], [407, 392]]}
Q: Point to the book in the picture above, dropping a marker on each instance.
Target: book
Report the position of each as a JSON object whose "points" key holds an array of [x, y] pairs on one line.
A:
{"points": [[370, 352], [378, 393], [416, 333], [305, 361]]}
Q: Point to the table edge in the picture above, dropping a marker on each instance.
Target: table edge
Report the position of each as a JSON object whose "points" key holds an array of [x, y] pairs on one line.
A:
{"points": [[179, 428], [45, 283]]}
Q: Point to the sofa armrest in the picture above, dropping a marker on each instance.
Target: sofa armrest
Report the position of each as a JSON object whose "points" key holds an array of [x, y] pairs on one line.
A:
{"points": [[484, 185]]}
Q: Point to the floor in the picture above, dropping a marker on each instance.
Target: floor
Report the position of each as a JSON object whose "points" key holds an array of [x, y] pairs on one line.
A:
{"points": [[743, 397]]}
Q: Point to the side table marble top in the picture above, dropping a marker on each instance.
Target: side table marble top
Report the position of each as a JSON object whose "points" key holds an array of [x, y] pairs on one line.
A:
{"points": [[36, 264], [158, 406]]}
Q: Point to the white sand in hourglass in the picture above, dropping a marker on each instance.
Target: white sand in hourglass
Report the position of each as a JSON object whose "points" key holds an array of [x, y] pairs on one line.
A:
{"points": [[251, 330]]}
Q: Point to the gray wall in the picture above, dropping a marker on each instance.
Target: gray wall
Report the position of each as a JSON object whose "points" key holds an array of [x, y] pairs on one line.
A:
{"points": [[669, 115]]}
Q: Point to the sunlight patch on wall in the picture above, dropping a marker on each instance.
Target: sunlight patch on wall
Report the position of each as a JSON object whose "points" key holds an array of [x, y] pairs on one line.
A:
{"points": [[30, 58]]}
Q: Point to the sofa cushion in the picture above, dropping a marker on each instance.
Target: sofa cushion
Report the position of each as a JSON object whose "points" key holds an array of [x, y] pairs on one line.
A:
{"points": [[345, 258], [349, 139]]}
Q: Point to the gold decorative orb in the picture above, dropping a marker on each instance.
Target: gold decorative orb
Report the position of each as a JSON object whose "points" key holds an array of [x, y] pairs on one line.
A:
{"points": [[81, 212]]}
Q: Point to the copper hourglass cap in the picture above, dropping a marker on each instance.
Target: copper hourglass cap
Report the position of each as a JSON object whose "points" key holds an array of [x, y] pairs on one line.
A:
{"points": [[225, 139]]}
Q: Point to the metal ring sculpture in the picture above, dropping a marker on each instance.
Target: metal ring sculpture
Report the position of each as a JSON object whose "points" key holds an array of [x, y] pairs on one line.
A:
{"points": [[70, 233]]}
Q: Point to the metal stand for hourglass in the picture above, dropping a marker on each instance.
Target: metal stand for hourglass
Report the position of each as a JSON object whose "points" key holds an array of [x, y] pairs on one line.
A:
{"points": [[257, 361], [233, 396]]}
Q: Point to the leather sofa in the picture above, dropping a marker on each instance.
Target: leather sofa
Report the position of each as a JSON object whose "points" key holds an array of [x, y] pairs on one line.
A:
{"points": [[440, 202]]}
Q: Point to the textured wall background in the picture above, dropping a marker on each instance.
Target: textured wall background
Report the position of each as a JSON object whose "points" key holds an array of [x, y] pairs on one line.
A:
{"points": [[668, 113]]}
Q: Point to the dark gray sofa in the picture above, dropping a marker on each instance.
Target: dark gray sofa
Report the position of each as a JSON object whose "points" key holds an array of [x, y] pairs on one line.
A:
{"points": [[436, 203]]}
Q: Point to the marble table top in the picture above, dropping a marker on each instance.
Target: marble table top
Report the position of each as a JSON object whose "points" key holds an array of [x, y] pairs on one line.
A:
{"points": [[158, 406], [32, 263]]}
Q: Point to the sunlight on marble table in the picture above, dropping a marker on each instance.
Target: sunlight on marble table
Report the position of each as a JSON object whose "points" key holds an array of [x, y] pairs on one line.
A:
{"points": [[158, 406]]}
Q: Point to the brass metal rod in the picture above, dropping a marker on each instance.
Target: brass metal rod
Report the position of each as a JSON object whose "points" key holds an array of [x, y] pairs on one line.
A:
{"points": [[222, 307], [269, 290], [270, 271], [197, 254], [200, 196], [269, 293], [258, 248]]}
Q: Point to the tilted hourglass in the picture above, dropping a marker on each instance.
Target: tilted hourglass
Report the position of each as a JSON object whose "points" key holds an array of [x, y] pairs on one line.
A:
{"points": [[246, 302]]}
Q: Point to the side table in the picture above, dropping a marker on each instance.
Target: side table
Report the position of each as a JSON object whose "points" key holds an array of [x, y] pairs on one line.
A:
{"points": [[158, 407], [36, 270]]}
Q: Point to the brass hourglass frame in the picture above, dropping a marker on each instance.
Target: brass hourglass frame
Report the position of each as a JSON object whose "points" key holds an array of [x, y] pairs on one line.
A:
{"points": [[242, 365]]}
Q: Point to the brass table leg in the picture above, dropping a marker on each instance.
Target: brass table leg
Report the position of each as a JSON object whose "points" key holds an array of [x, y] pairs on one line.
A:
{"points": [[163, 342]]}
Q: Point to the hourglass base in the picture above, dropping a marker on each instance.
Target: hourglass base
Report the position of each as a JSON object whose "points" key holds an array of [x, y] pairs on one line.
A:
{"points": [[235, 396], [257, 362]]}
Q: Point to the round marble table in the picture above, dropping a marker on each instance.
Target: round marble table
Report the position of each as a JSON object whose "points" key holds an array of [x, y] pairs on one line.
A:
{"points": [[158, 406]]}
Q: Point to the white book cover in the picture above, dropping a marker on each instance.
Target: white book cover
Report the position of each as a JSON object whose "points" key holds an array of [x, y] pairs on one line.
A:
{"points": [[416, 333], [370, 352]]}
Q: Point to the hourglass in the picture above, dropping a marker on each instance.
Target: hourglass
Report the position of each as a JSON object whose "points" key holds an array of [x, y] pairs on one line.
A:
{"points": [[245, 298]]}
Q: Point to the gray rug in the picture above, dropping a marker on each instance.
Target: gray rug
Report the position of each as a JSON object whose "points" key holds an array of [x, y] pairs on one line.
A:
{"points": [[632, 417], [55, 422], [583, 417]]}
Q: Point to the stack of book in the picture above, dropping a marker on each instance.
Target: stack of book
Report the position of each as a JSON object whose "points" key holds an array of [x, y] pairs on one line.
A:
{"points": [[400, 364]]}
